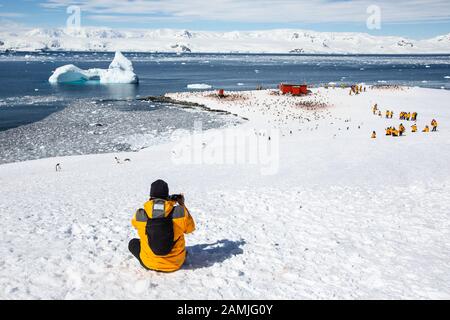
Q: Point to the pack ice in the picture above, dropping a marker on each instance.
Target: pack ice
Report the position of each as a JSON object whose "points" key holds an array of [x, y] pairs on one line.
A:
{"points": [[119, 71]]}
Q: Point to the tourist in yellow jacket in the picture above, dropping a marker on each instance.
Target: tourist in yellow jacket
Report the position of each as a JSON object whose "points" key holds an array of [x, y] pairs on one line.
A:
{"points": [[426, 129], [414, 128], [161, 226], [401, 129], [434, 124], [388, 131]]}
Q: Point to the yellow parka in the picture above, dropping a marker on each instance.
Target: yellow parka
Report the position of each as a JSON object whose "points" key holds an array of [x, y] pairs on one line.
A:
{"points": [[414, 128], [182, 224]]}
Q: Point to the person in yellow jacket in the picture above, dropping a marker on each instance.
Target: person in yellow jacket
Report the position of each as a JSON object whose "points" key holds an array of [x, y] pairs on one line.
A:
{"points": [[394, 132], [375, 108], [387, 114], [414, 128], [388, 131], [426, 129], [161, 226], [434, 124], [401, 129]]}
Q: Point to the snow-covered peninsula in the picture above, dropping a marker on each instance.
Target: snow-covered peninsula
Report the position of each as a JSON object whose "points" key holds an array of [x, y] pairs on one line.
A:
{"points": [[341, 216], [185, 41]]}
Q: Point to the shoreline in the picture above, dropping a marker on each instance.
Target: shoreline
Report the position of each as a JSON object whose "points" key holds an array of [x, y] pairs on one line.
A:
{"points": [[243, 53], [208, 101], [186, 104]]}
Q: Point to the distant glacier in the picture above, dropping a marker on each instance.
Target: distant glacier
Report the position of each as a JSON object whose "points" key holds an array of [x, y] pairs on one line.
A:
{"points": [[186, 41]]}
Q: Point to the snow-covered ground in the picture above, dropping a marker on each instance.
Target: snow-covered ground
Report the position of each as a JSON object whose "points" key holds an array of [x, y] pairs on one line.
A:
{"points": [[344, 216], [184, 41]]}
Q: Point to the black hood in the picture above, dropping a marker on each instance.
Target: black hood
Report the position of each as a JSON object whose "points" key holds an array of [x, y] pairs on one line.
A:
{"points": [[159, 189]]}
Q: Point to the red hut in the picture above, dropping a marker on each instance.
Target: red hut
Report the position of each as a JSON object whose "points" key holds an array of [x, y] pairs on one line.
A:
{"points": [[294, 89]]}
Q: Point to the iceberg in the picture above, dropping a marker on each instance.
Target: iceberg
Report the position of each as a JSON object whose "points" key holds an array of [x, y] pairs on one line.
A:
{"points": [[119, 71], [199, 86]]}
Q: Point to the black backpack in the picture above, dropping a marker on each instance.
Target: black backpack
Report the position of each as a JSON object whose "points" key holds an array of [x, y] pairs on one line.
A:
{"points": [[159, 230]]}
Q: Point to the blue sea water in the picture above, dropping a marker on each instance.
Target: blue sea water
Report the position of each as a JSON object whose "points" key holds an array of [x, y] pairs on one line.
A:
{"points": [[27, 97]]}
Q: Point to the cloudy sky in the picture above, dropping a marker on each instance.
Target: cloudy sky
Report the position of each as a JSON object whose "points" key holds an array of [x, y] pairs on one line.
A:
{"points": [[410, 18]]}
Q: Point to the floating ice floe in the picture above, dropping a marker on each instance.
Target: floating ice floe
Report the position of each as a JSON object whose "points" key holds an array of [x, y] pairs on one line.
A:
{"points": [[120, 71], [199, 86]]}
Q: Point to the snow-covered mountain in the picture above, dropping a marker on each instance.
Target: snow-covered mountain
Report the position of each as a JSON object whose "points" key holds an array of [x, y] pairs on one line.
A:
{"points": [[173, 40]]}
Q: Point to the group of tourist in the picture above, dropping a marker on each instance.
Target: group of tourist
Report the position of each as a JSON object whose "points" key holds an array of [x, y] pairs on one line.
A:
{"points": [[408, 116]]}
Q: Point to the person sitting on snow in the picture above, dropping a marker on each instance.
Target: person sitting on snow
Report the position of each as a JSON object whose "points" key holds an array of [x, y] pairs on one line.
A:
{"points": [[161, 226], [434, 124], [426, 129], [414, 128], [394, 132], [388, 131], [374, 135]]}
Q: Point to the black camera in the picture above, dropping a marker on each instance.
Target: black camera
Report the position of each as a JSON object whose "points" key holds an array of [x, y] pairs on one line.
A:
{"points": [[175, 197]]}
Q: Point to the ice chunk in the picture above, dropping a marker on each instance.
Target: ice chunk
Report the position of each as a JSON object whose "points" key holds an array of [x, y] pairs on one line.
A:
{"points": [[120, 71], [199, 86]]}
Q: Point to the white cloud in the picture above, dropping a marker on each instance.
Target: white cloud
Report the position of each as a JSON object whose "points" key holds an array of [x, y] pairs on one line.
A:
{"points": [[261, 11], [12, 15]]}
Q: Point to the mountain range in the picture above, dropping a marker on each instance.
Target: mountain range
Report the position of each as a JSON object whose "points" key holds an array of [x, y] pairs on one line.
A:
{"points": [[185, 41]]}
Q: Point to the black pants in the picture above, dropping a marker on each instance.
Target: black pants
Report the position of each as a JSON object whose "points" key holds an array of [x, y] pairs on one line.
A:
{"points": [[135, 248]]}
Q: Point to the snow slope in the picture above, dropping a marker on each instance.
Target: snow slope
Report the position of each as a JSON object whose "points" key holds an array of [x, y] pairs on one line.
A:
{"points": [[345, 216], [173, 40]]}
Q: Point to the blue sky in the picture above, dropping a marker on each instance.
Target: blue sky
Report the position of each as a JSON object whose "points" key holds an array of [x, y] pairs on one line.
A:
{"points": [[416, 19]]}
